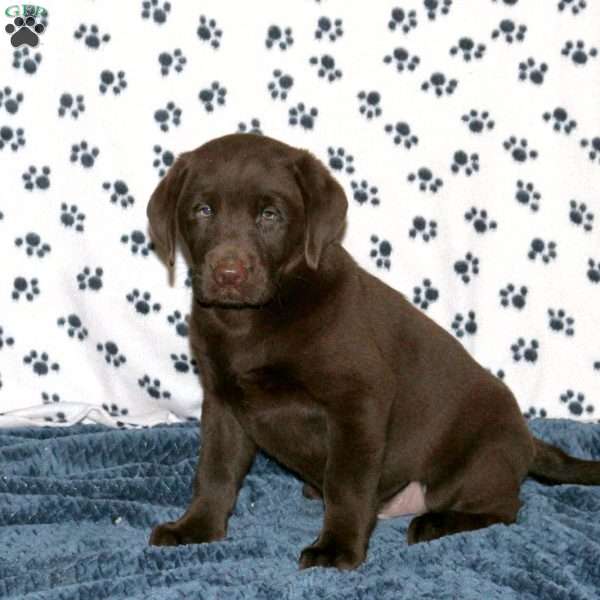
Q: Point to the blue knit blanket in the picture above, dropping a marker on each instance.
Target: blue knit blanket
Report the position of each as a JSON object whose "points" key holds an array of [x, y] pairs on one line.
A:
{"points": [[77, 505]]}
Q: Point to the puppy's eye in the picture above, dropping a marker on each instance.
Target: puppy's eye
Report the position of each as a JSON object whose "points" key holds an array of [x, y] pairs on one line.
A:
{"points": [[203, 210], [269, 214]]}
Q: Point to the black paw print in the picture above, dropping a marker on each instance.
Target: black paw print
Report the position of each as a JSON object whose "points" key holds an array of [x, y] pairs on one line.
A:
{"points": [[426, 180], [50, 398], [526, 194], [92, 36], [467, 267], [576, 403], [303, 116], [364, 193], [138, 244], [402, 59], [576, 5], [327, 28], [108, 79], [71, 217], [29, 288], [81, 153], [8, 340], [170, 113], [439, 84], [24, 31], [153, 388], [402, 134], [577, 52], [14, 139], [559, 321], [252, 127], [114, 411], [70, 104], [560, 120], [182, 363], [33, 245], [74, 326], [90, 280], [433, 6], [381, 253], [518, 149], [461, 161], [339, 160], [40, 363], [520, 350], [580, 215], [278, 37], [166, 60], [212, 96], [369, 104], [402, 20], [119, 193], [10, 101], [462, 325], [510, 31], [151, 8], [510, 295], [111, 354], [21, 59], [594, 147], [164, 159], [209, 32], [529, 70], [424, 296], [477, 121], [326, 67], [593, 272], [34, 179], [534, 413], [142, 302], [282, 84], [468, 48], [547, 251], [427, 230], [179, 322]]}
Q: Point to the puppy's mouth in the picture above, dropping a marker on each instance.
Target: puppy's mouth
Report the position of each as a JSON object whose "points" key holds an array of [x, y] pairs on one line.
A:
{"points": [[248, 295]]}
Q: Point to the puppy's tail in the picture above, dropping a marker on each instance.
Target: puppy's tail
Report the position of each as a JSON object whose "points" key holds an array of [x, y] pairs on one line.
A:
{"points": [[551, 465]]}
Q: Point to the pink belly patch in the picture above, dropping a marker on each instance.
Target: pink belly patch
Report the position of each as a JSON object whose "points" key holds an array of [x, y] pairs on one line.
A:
{"points": [[409, 501]]}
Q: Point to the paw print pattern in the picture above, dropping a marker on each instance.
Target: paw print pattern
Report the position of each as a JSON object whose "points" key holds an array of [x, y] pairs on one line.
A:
{"points": [[381, 252], [421, 227], [329, 29], [91, 36], [5, 340], [364, 193], [277, 37], [22, 287], [326, 67], [183, 364], [13, 139], [138, 243], [467, 268], [114, 411], [340, 160], [119, 193], [252, 127], [111, 354], [580, 215], [24, 31], [180, 323], [171, 114], [509, 31], [425, 295], [464, 326], [463, 162], [479, 219], [402, 134], [303, 116], [35, 179], [402, 59], [40, 363], [281, 85], [71, 217], [163, 160], [436, 8], [560, 120], [88, 280], [33, 245], [534, 413], [478, 122], [22, 60], [209, 32], [526, 194], [511, 296], [577, 52], [426, 180], [594, 148], [153, 387], [212, 96], [108, 80], [519, 149], [593, 272], [559, 321], [575, 402], [68, 104], [176, 61], [576, 5], [369, 104], [440, 84], [10, 101], [84, 155], [142, 302], [546, 251], [402, 20], [521, 350], [158, 12], [74, 327], [529, 70], [468, 49]]}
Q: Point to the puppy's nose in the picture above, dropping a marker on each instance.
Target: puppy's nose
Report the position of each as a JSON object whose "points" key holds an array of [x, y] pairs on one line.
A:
{"points": [[230, 271]]}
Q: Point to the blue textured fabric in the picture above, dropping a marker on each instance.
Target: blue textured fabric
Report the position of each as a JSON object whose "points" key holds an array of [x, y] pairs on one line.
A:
{"points": [[77, 505]]}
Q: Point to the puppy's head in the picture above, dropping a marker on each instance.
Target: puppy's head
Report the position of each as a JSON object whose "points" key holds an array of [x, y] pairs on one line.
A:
{"points": [[248, 209]]}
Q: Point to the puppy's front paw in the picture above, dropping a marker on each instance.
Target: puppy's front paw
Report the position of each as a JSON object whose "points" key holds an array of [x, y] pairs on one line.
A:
{"points": [[330, 555], [174, 533]]}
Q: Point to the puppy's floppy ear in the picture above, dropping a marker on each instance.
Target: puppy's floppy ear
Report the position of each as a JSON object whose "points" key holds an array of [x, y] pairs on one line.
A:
{"points": [[162, 208], [325, 206]]}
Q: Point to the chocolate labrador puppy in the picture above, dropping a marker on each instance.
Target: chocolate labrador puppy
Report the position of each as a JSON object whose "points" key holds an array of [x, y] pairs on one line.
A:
{"points": [[308, 357]]}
